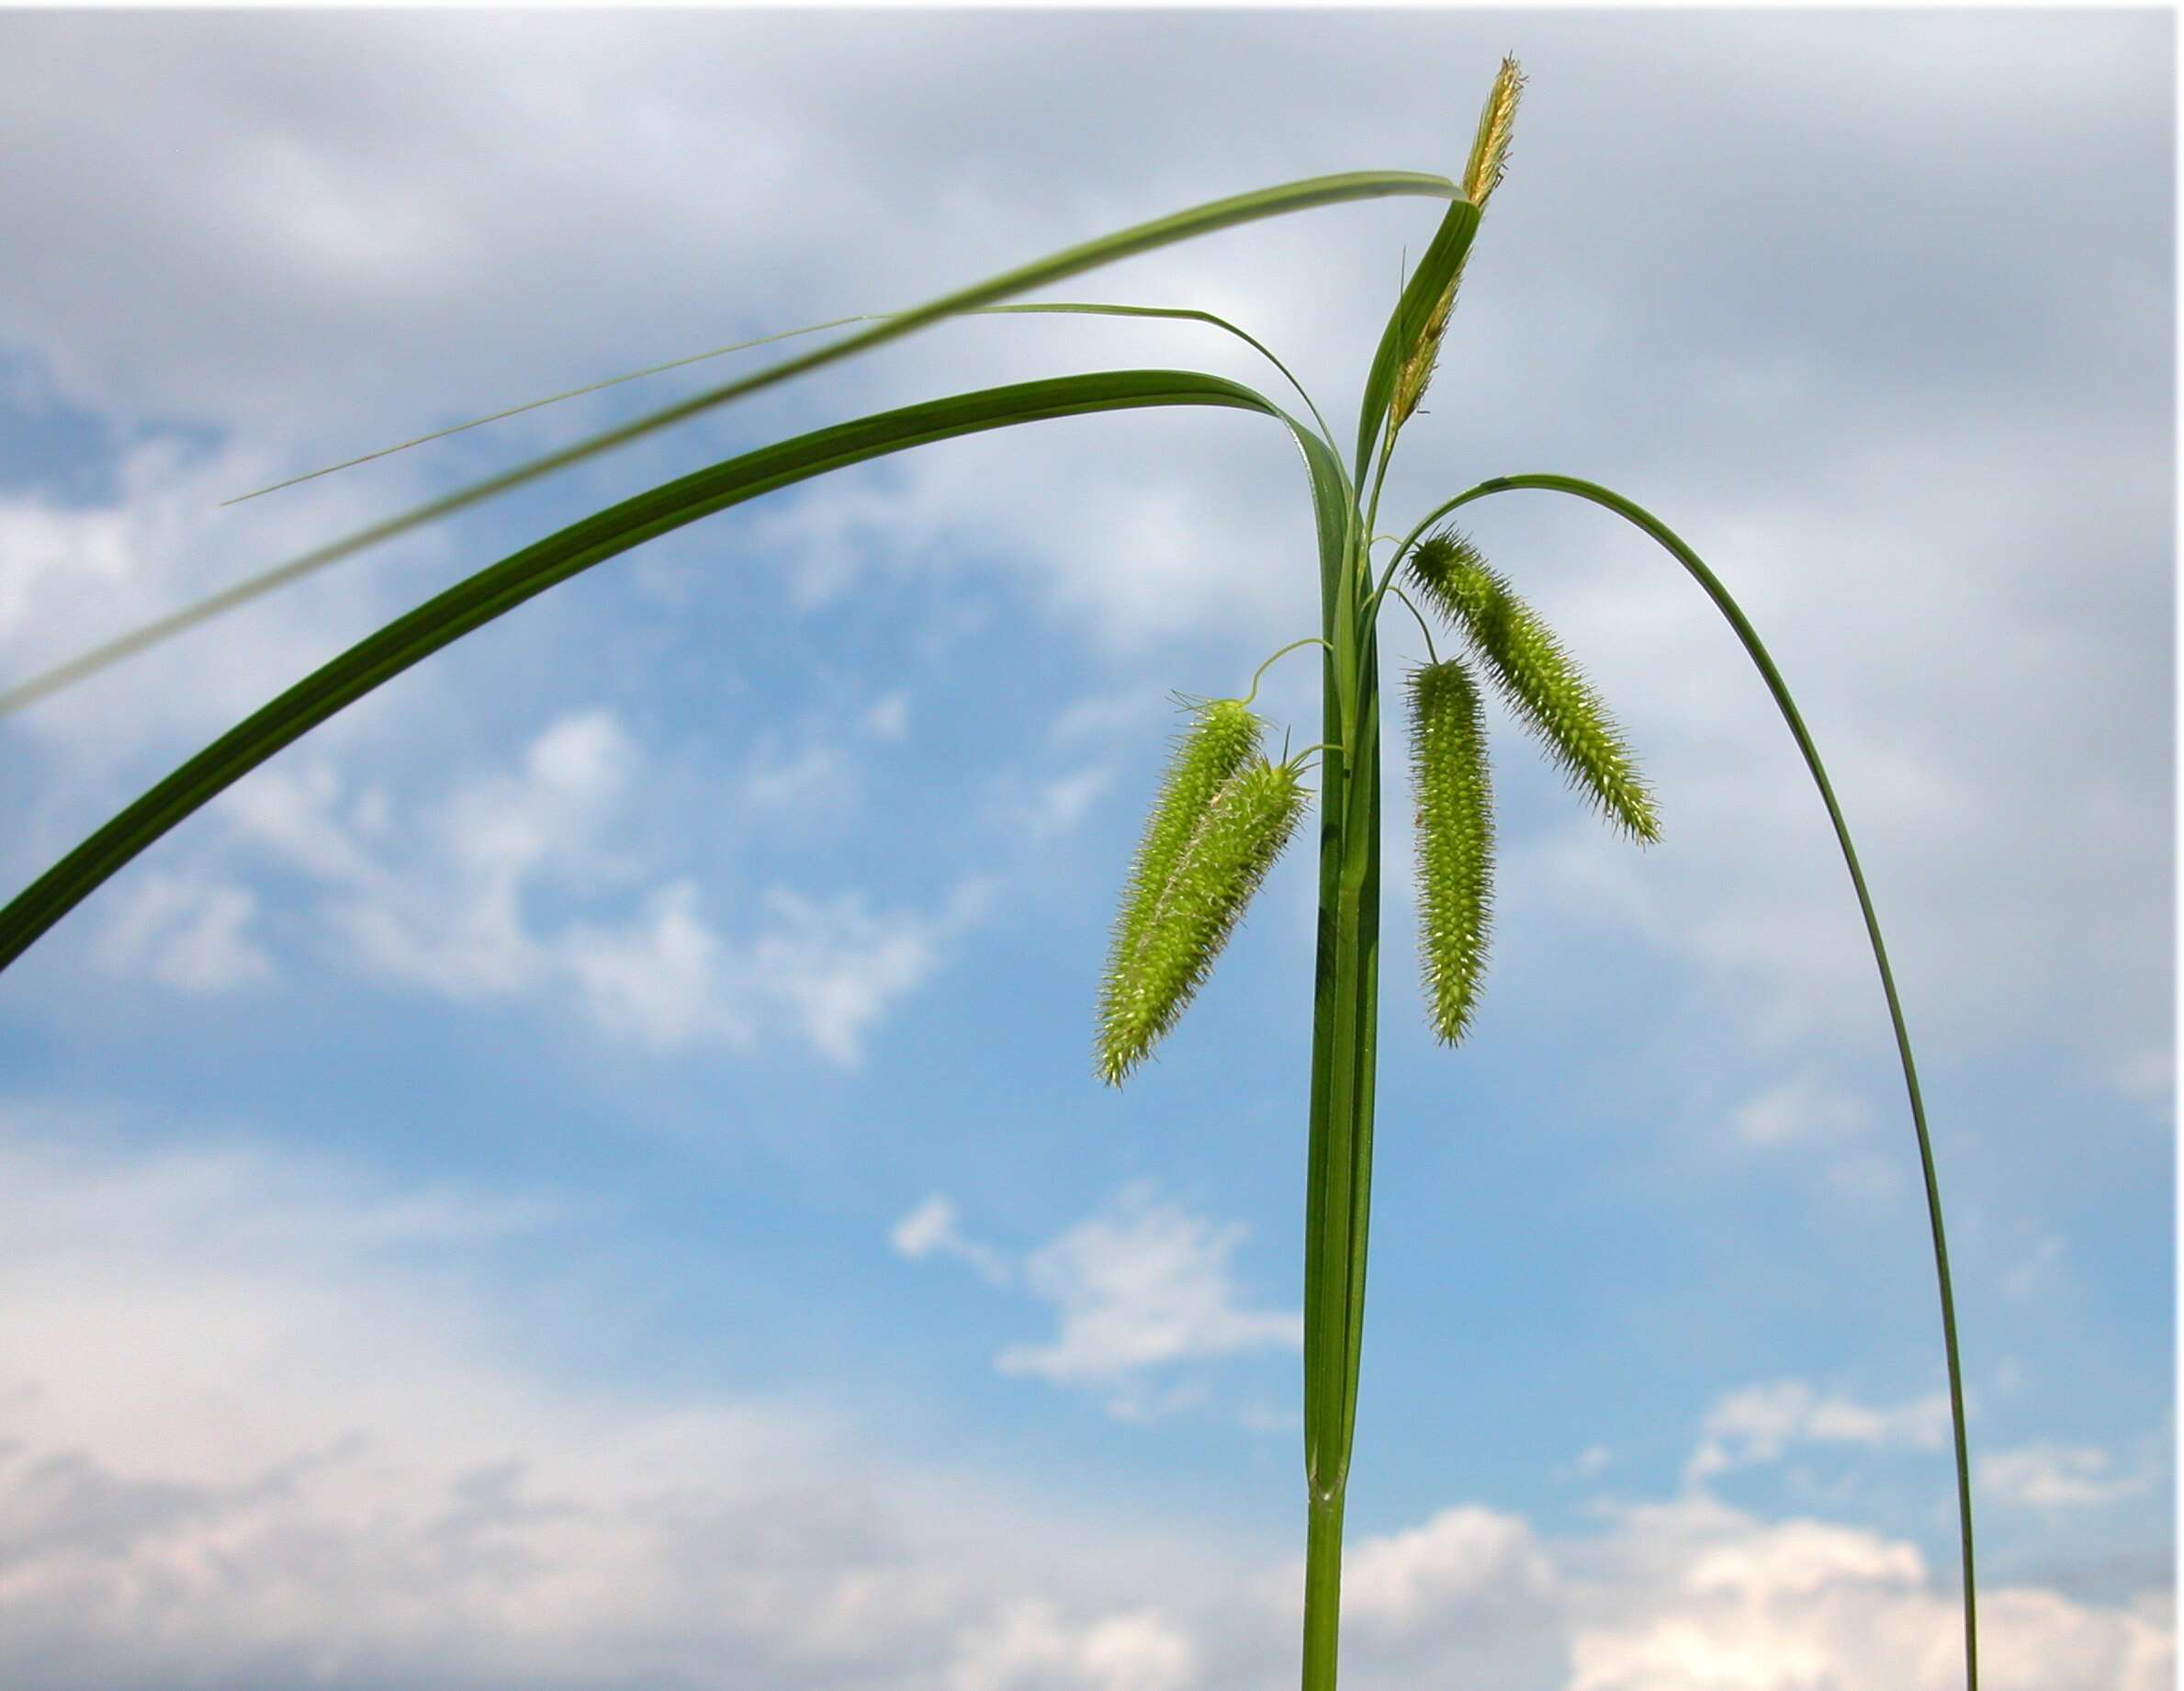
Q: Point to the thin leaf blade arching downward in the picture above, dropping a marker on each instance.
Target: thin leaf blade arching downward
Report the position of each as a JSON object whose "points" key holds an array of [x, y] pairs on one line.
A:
{"points": [[1236, 842], [1455, 842], [107, 654], [1756, 649], [1185, 225], [1538, 678], [500, 588], [1207, 756]]}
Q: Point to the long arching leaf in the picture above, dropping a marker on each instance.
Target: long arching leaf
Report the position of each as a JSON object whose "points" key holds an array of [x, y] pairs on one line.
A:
{"points": [[86, 664], [500, 588], [1057, 308], [1757, 651], [1055, 267]]}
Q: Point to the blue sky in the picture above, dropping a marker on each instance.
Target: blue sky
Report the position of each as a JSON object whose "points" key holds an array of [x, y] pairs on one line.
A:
{"points": [[586, 1172]]}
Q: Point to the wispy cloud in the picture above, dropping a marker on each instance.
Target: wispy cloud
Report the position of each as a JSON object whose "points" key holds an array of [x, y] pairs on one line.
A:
{"points": [[2057, 1476], [452, 903], [931, 1227], [1139, 1287], [185, 932], [1759, 1424]]}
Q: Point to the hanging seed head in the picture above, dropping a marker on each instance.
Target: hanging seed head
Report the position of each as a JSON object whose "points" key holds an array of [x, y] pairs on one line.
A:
{"points": [[1455, 839], [1150, 981], [1219, 741], [1537, 678], [1482, 174]]}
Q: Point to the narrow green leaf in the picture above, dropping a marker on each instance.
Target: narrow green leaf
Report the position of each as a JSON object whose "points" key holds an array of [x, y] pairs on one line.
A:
{"points": [[473, 603], [1055, 267], [102, 657], [1538, 678], [1455, 842], [1407, 324], [1070, 308], [1756, 649]]}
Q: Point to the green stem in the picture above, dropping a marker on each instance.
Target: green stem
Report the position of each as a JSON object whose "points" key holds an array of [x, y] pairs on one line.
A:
{"points": [[1339, 1171], [1728, 606], [1310, 639], [1322, 1591]]}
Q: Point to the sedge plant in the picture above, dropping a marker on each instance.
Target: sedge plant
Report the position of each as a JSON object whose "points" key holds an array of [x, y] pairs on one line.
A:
{"points": [[1225, 810]]}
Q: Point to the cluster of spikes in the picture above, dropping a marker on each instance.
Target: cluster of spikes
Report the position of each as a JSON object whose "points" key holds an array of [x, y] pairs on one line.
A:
{"points": [[1551, 697], [1223, 814]]}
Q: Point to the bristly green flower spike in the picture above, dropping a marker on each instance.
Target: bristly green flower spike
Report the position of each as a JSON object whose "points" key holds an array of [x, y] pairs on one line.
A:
{"points": [[1166, 942], [1537, 679], [1219, 742], [1455, 840]]}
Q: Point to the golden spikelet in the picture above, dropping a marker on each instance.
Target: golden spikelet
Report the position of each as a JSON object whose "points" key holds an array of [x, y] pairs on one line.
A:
{"points": [[1482, 174], [1497, 121], [1150, 981], [1537, 678], [1455, 842]]}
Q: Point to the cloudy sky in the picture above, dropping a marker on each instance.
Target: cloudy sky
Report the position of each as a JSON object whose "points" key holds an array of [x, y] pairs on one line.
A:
{"points": [[586, 1172]]}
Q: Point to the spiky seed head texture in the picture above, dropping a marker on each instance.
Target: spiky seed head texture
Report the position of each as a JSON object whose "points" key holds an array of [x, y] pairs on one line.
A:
{"points": [[1221, 740], [1455, 842], [1488, 164], [1537, 679], [1150, 983]]}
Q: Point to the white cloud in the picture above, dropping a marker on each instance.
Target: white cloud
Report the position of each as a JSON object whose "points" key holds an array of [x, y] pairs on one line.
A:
{"points": [[1061, 804], [2055, 1476], [258, 1426], [932, 1226], [1593, 1460], [1798, 1111], [1140, 1286], [1695, 1595], [1030, 1648], [1463, 1561], [185, 933], [890, 719], [658, 979], [835, 967], [447, 904], [1759, 1423]]}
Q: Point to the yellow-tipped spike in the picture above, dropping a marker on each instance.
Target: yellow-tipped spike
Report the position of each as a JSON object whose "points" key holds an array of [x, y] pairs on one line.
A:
{"points": [[1482, 174]]}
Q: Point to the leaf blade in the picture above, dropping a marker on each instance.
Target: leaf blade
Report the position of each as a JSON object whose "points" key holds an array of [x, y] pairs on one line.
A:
{"points": [[492, 591], [1208, 219]]}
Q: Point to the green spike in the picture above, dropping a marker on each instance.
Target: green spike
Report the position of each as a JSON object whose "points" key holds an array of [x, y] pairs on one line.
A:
{"points": [[1213, 749], [1149, 983], [1537, 679], [1455, 842]]}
